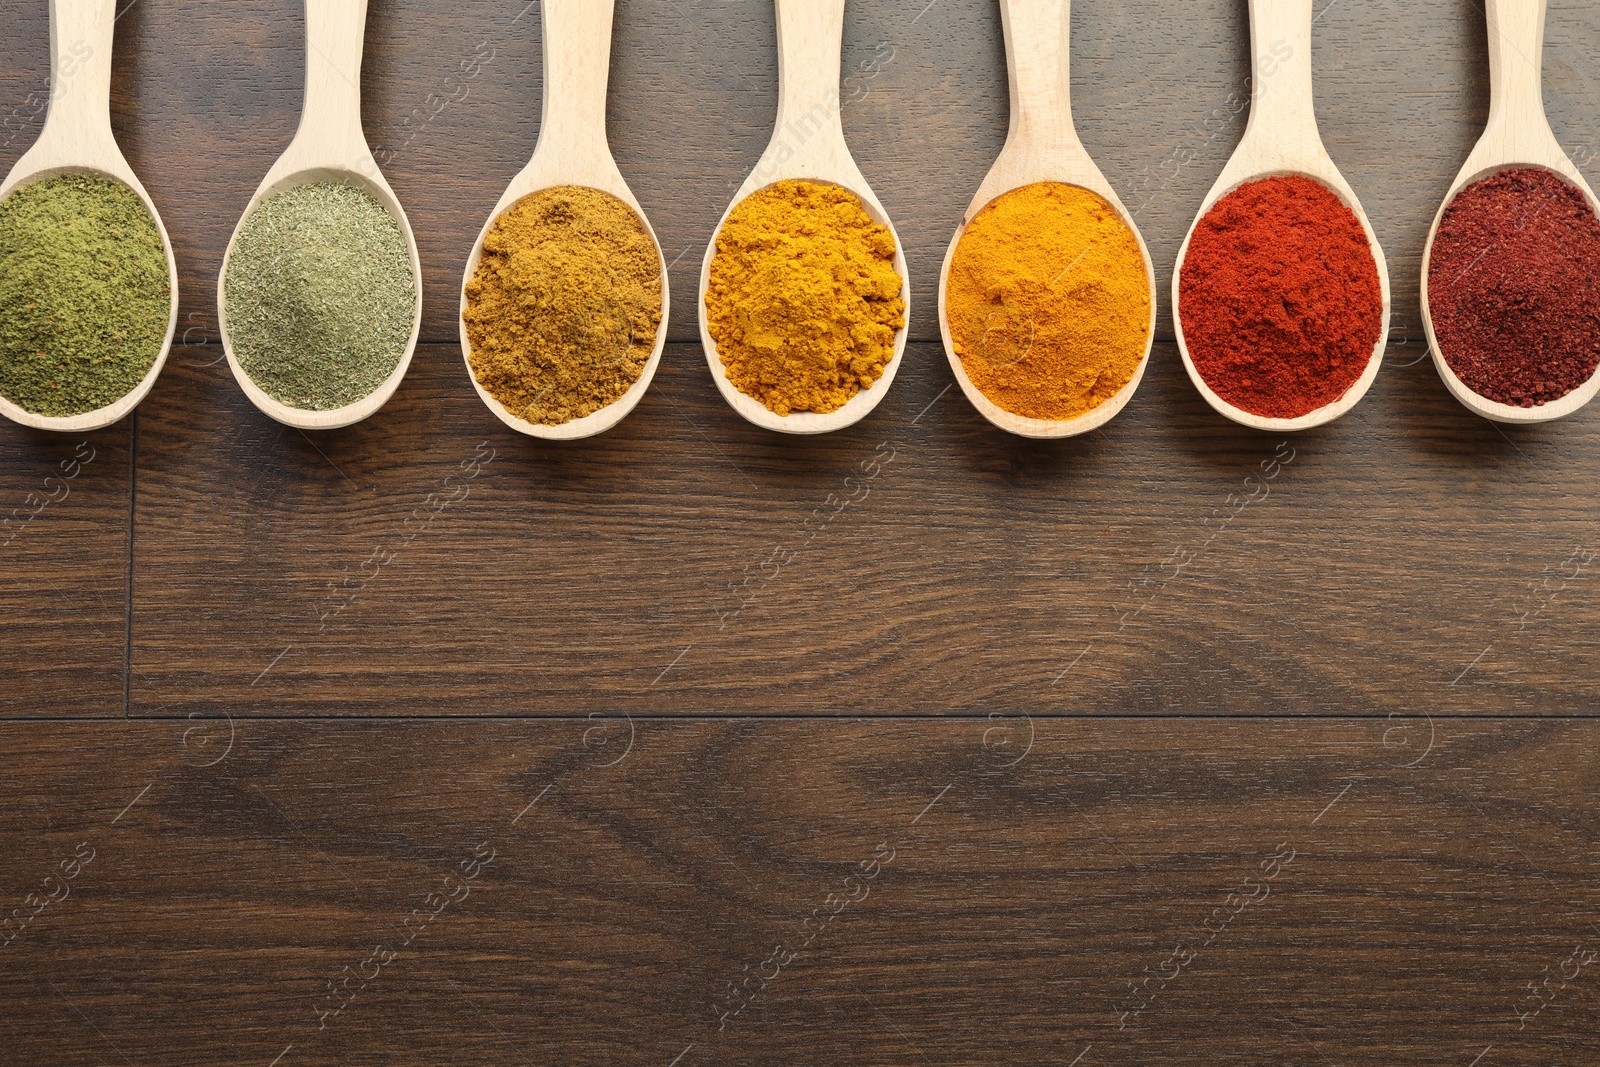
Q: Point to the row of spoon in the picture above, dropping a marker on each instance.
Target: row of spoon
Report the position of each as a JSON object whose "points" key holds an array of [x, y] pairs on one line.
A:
{"points": [[1042, 146], [1281, 138]]}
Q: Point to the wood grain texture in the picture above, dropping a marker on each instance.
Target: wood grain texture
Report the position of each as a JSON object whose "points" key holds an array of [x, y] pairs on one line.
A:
{"points": [[64, 514], [1408, 555], [1425, 875], [206, 96]]}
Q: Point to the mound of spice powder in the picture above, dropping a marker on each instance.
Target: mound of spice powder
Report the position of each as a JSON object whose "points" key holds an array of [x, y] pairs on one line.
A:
{"points": [[85, 296], [1514, 287], [564, 308], [804, 301], [321, 300], [1048, 301], [1279, 298]]}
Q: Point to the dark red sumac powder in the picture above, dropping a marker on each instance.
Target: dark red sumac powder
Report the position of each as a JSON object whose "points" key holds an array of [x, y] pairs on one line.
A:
{"points": [[1280, 299], [1514, 287]]}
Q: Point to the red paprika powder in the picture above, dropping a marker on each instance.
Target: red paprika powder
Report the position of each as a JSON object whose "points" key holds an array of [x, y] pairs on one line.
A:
{"points": [[1514, 287], [1279, 298]]}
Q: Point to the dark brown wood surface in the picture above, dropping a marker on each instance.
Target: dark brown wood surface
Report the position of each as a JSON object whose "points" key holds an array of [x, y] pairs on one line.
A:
{"points": [[64, 527], [279, 574], [671, 890], [1045, 891]]}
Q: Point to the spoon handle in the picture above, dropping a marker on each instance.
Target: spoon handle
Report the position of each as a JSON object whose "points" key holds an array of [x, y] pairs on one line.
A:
{"points": [[1516, 64], [577, 68], [1281, 102], [1038, 33], [810, 38], [80, 70], [330, 124]]}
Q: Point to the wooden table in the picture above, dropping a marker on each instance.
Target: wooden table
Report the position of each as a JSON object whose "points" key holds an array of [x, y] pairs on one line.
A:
{"points": [[1031, 753]]}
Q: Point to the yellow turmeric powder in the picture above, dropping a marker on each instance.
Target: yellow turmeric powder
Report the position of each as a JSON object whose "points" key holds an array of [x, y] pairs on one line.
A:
{"points": [[804, 300], [1048, 301]]}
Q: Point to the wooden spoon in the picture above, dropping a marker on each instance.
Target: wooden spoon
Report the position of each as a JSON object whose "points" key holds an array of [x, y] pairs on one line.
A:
{"points": [[328, 147], [808, 143], [572, 150], [1518, 135], [1282, 140], [77, 139], [1042, 146]]}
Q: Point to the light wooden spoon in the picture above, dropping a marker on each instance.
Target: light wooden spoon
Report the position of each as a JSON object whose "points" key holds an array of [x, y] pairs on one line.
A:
{"points": [[77, 139], [1518, 135], [808, 143], [1282, 140], [572, 150], [329, 146], [1042, 146]]}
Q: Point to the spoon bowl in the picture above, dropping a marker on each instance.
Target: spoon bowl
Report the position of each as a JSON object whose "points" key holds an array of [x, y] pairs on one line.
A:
{"points": [[1518, 136], [77, 139], [1042, 146], [329, 146], [1282, 140], [808, 144], [572, 150]]}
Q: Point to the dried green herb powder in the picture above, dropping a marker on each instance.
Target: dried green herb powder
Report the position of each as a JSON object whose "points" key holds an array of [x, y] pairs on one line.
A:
{"points": [[320, 296], [85, 297]]}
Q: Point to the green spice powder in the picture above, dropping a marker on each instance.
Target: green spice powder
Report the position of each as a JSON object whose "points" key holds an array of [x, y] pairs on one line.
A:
{"points": [[320, 296], [85, 297]]}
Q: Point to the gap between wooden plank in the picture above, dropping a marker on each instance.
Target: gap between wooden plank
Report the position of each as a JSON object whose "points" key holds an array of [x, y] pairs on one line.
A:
{"points": [[843, 717]]}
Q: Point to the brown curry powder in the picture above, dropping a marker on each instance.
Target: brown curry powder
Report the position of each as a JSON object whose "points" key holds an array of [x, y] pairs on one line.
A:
{"points": [[804, 301], [564, 308]]}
